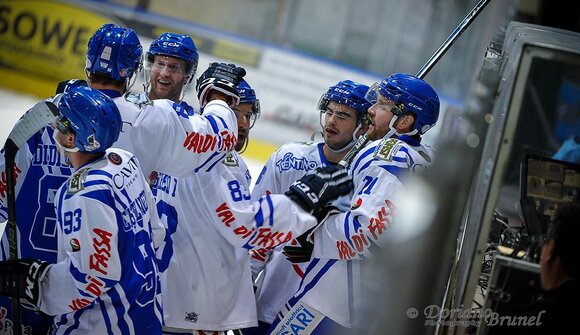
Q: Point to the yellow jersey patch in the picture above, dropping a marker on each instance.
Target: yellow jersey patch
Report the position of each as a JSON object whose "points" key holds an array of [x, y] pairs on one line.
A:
{"points": [[77, 181], [387, 149]]}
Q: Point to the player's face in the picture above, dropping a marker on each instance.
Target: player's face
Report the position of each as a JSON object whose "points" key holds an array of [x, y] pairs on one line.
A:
{"points": [[168, 75], [338, 124], [380, 115], [243, 115]]}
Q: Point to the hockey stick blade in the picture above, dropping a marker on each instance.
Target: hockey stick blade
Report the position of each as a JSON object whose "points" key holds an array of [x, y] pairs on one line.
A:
{"points": [[37, 117]]}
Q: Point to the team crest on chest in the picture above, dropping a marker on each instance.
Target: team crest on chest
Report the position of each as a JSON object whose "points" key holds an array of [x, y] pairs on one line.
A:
{"points": [[387, 149], [231, 160], [77, 181]]}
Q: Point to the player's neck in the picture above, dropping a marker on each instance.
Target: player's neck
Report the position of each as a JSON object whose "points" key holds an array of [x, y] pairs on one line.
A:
{"points": [[79, 159], [331, 156], [120, 89]]}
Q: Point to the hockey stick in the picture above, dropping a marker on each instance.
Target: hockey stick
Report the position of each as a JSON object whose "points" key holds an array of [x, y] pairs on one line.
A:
{"points": [[39, 116], [362, 141]]}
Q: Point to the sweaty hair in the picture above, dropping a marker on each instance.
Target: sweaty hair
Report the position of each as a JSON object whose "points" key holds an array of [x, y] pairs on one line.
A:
{"points": [[103, 79], [565, 231]]}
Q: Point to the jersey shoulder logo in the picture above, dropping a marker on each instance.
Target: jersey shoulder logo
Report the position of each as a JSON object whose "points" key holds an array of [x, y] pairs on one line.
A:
{"points": [[138, 99], [231, 160], [114, 158], [387, 149], [77, 180]]}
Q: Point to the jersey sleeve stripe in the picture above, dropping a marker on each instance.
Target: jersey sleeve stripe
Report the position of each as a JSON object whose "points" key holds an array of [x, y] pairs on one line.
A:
{"points": [[363, 156], [213, 155], [396, 171], [213, 124], [216, 161]]}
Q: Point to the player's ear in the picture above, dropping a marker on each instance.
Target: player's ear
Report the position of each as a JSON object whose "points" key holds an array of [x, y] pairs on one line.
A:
{"points": [[68, 140], [405, 123]]}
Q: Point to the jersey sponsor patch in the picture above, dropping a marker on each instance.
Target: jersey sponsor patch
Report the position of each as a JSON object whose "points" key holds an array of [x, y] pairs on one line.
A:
{"points": [[290, 162], [77, 180], [114, 158], [387, 149], [231, 160], [301, 319], [75, 245], [191, 317]]}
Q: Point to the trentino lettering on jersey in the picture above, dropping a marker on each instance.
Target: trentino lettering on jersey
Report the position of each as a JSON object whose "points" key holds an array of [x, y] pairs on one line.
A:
{"points": [[289, 162]]}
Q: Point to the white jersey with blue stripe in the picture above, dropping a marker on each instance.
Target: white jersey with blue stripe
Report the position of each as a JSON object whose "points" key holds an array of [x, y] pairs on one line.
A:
{"points": [[166, 138], [278, 278], [106, 279], [332, 283], [207, 276]]}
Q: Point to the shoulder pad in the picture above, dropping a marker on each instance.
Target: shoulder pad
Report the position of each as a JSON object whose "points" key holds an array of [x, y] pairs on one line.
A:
{"points": [[387, 148], [77, 181], [138, 99]]}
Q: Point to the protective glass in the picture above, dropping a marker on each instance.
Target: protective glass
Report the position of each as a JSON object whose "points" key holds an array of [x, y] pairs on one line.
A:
{"points": [[174, 68], [63, 125], [375, 96]]}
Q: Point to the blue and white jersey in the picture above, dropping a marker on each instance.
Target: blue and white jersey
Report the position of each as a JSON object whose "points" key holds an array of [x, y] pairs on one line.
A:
{"points": [[106, 279], [39, 174], [332, 282], [166, 138], [278, 279], [211, 224]]}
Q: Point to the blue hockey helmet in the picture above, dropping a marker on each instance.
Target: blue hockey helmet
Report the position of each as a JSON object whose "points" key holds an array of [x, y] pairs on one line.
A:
{"points": [[175, 45], [114, 51], [248, 95], [348, 93], [92, 116], [410, 94]]}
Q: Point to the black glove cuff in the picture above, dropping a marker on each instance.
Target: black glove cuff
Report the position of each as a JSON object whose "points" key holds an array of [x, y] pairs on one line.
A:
{"points": [[299, 198]]}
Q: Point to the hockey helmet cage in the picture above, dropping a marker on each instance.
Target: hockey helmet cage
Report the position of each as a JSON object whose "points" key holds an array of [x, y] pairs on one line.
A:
{"points": [[348, 93], [175, 45], [410, 94], [248, 95]]}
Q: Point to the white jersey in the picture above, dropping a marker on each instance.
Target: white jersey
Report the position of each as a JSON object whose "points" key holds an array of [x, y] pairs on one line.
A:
{"points": [[211, 224], [278, 278], [332, 283], [106, 279], [166, 139]]}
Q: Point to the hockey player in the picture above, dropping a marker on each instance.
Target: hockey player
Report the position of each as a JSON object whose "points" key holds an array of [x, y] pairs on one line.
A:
{"points": [[161, 133], [170, 66], [404, 107], [171, 63], [163, 136], [105, 280], [213, 224], [40, 173], [342, 110]]}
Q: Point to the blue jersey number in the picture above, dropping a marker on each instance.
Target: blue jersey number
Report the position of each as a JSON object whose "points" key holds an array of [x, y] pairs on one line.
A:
{"points": [[238, 193], [72, 221], [369, 184]]}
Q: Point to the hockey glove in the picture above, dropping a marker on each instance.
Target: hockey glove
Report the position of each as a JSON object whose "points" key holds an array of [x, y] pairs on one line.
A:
{"points": [[66, 85], [223, 78], [22, 278], [302, 252], [319, 187]]}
